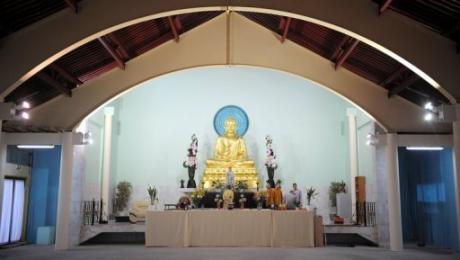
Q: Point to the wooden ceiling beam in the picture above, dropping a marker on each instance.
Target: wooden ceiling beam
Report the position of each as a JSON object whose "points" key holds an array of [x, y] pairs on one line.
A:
{"points": [[54, 83], [393, 76], [112, 52], [72, 5], [64, 73], [173, 28], [338, 48], [287, 24], [346, 53], [384, 6], [403, 85], [120, 45]]}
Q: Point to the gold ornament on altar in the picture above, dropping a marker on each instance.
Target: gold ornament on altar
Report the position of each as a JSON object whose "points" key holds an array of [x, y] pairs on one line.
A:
{"points": [[230, 152]]}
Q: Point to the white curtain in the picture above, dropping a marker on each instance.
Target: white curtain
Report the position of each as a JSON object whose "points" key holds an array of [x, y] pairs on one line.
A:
{"points": [[7, 204], [18, 211]]}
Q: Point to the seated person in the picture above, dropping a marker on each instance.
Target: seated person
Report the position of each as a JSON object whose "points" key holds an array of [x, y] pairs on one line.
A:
{"points": [[184, 203], [228, 197]]}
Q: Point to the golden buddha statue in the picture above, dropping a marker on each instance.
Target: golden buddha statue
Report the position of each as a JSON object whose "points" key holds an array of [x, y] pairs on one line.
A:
{"points": [[230, 151]]}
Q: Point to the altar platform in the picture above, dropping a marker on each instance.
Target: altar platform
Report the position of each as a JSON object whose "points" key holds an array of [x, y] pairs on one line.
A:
{"points": [[235, 228]]}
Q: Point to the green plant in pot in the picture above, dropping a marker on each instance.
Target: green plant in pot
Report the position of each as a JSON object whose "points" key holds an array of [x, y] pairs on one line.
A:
{"points": [[336, 187], [122, 194], [311, 194]]}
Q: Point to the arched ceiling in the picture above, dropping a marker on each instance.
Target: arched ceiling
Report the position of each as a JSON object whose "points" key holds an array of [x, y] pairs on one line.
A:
{"points": [[238, 42], [60, 75]]}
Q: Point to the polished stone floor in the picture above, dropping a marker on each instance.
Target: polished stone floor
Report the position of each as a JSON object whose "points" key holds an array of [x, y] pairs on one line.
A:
{"points": [[133, 252]]}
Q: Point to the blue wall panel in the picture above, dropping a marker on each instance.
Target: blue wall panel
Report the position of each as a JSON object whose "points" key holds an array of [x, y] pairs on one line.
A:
{"points": [[428, 197], [44, 190]]}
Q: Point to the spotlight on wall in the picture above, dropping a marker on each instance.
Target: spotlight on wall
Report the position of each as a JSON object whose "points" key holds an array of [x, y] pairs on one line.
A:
{"points": [[24, 105], [33, 146], [429, 106], [11, 111], [431, 113], [25, 115], [428, 116], [424, 148], [371, 139]]}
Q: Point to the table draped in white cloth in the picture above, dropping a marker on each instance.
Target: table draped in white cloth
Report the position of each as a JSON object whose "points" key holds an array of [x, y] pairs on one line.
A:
{"points": [[293, 228], [230, 228], [167, 228], [236, 228]]}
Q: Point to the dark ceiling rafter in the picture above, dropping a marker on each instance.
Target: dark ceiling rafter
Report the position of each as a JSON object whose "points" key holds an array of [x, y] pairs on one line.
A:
{"points": [[112, 52], [384, 6], [54, 83], [395, 90], [346, 53], [397, 73], [339, 48], [120, 45], [64, 73], [73, 5], [285, 24], [174, 28]]}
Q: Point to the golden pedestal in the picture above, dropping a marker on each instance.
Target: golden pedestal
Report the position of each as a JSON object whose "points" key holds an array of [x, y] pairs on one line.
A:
{"points": [[216, 171]]}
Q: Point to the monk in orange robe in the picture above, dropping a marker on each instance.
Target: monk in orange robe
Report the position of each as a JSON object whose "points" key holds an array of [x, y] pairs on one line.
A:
{"points": [[278, 195], [270, 202]]}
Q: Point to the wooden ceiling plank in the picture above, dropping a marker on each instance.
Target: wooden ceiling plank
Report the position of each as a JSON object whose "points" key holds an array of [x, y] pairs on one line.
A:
{"points": [[173, 28], [72, 5], [64, 73], [55, 84], [286, 29], [112, 52], [406, 83], [383, 7], [346, 54]]}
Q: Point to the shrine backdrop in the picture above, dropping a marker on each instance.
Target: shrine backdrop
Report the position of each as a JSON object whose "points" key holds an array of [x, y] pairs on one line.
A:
{"points": [[154, 121]]}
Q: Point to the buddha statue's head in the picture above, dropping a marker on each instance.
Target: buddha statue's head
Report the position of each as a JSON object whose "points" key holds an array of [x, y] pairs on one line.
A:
{"points": [[230, 127]]}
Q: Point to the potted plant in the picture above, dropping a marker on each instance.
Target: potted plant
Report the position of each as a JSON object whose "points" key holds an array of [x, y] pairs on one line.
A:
{"points": [[197, 195], [311, 194], [153, 195], [122, 194], [334, 189]]}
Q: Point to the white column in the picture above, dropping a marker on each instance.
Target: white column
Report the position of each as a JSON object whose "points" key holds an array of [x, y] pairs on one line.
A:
{"points": [[65, 191], [108, 114], [353, 146], [456, 159], [394, 199]]}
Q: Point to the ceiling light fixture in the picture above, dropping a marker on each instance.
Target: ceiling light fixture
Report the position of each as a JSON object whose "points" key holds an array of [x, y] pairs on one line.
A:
{"points": [[425, 148], [33, 146]]}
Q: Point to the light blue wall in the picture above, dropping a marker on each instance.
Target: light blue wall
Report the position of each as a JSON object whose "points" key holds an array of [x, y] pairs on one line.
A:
{"points": [[44, 190], [308, 123]]}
